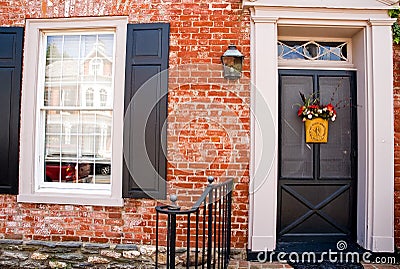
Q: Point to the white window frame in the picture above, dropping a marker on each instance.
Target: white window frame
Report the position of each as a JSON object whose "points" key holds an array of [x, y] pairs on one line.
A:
{"points": [[31, 135]]}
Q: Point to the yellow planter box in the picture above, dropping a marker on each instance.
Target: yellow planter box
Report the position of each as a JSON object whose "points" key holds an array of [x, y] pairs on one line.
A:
{"points": [[316, 130]]}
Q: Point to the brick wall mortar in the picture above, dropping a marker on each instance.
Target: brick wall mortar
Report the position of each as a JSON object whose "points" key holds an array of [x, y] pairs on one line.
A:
{"points": [[200, 32]]}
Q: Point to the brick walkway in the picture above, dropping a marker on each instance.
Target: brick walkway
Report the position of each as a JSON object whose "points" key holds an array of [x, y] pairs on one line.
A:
{"points": [[235, 264]]}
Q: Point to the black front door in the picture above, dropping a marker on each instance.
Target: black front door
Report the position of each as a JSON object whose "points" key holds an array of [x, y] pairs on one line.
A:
{"points": [[317, 182]]}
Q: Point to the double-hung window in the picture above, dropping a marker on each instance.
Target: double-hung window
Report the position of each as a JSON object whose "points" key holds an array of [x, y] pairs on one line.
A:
{"points": [[72, 111], [74, 97]]}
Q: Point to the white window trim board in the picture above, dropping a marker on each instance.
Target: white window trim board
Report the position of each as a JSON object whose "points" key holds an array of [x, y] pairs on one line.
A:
{"points": [[28, 181]]}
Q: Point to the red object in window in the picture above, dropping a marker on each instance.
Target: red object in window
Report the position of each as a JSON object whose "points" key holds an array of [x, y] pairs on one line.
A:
{"points": [[67, 171], [54, 171]]}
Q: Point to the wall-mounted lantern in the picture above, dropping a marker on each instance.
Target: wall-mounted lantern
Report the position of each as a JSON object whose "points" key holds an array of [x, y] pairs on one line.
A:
{"points": [[232, 61]]}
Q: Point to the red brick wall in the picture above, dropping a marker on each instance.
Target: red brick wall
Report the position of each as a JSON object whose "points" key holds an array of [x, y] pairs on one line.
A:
{"points": [[212, 141], [396, 98]]}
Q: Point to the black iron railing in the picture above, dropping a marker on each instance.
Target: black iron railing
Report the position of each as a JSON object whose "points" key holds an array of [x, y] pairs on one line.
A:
{"points": [[206, 228]]}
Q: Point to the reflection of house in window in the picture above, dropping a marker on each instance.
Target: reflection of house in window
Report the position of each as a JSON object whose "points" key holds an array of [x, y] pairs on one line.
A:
{"points": [[67, 133], [96, 67], [89, 97], [68, 97], [103, 140], [80, 83], [103, 97], [46, 97]]}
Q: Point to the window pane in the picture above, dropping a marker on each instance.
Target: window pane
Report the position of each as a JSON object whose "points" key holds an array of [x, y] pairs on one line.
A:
{"points": [[71, 46], [78, 146], [75, 63], [78, 75], [312, 50], [336, 154], [69, 97], [54, 49], [296, 155]]}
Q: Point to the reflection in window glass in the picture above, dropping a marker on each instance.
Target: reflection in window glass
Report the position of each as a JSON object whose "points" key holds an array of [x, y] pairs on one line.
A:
{"points": [[312, 50], [77, 122], [89, 97], [103, 97], [96, 67]]}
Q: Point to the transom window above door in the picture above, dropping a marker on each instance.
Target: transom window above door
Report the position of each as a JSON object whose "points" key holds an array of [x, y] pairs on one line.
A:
{"points": [[313, 50]]}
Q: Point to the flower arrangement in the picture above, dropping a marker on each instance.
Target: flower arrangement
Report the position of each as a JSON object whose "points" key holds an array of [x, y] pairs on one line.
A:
{"points": [[311, 108]]}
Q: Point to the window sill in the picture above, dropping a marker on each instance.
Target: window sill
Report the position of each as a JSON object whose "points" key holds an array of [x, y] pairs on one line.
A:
{"points": [[73, 199]]}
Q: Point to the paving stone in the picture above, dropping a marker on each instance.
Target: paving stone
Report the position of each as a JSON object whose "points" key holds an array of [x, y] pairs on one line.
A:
{"points": [[41, 243], [57, 264], [30, 248], [39, 256], [11, 264], [96, 245], [148, 250], [124, 266], [98, 260], [69, 257], [82, 265], [131, 254], [126, 247], [69, 244], [57, 250], [89, 251], [14, 255], [11, 242], [33, 264], [110, 254]]}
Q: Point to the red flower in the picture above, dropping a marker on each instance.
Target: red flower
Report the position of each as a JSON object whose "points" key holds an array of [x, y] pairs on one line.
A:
{"points": [[312, 108], [300, 111], [330, 107]]}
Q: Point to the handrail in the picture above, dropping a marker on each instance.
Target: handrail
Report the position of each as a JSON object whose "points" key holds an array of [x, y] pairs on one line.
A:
{"points": [[209, 188], [212, 235]]}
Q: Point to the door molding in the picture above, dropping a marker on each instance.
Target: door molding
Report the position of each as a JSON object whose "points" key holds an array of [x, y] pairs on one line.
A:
{"points": [[372, 57]]}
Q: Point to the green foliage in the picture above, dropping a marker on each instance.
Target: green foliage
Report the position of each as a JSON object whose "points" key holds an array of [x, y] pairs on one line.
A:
{"points": [[396, 33], [394, 13]]}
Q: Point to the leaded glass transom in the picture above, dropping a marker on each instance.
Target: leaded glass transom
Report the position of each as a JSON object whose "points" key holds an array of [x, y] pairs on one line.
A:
{"points": [[312, 51]]}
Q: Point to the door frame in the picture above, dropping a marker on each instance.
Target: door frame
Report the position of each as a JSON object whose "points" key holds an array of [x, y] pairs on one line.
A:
{"points": [[316, 73], [370, 33]]}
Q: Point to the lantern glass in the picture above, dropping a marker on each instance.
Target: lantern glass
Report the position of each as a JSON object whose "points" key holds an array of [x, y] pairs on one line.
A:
{"points": [[232, 61]]}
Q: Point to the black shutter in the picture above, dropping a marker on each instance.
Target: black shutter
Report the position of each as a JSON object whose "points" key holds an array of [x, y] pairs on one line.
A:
{"points": [[11, 39], [146, 88]]}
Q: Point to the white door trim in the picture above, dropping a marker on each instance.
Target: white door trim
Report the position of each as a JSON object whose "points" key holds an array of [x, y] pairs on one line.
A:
{"points": [[372, 57]]}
